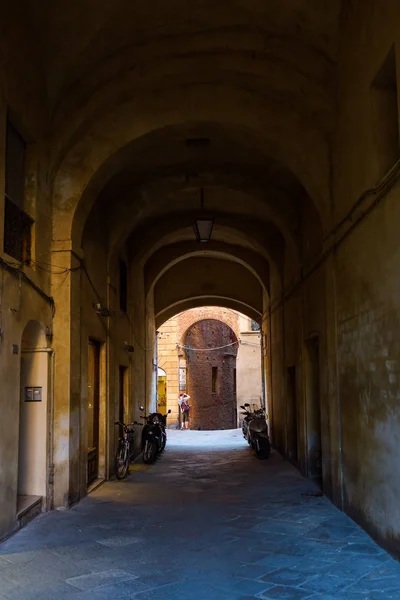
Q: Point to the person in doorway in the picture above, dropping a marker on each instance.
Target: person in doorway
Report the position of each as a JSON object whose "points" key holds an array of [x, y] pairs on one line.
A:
{"points": [[185, 409]]}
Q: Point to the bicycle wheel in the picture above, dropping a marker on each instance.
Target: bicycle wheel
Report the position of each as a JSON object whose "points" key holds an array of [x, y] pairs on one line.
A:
{"points": [[149, 452], [122, 461]]}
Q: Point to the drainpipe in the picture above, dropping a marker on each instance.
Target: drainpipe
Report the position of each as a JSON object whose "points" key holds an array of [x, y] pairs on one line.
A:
{"points": [[156, 369], [50, 411], [263, 403]]}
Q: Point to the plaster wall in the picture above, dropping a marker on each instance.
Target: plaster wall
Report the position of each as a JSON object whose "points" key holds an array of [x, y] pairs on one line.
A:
{"points": [[366, 267], [22, 99], [368, 313], [249, 381]]}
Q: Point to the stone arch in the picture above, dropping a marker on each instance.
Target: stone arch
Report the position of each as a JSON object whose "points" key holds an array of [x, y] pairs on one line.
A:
{"points": [[226, 315], [35, 407], [211, 374], [190, 303], [168, 256], [33, 335], [89, 165]]}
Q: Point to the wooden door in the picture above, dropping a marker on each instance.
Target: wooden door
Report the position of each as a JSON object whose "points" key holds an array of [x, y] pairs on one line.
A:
{"points": [[292, 437], [93, 414], [122, 392], [313, 407]]}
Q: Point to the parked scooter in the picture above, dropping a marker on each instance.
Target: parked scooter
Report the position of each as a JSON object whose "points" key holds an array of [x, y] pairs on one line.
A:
{"points": [[258, 437], [154, 436], [163, 424], [247, 417]]}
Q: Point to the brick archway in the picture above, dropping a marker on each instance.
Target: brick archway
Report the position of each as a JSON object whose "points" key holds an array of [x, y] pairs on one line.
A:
{"points": [[210, 349]]}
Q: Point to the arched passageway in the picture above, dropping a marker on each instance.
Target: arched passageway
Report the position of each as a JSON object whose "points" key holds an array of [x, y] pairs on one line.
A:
{"points": [[34, 423], [213, 354], [272, 128]]}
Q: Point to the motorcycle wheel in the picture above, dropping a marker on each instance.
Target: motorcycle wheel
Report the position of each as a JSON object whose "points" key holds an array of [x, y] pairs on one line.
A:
{"points": [[122, 461], [163, 443], [149, 452], [263, 453]]}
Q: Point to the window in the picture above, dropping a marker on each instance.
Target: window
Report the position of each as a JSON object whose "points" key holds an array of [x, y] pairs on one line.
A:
{"points": [[123, 286], [17, 224], [385, 114], [255, 326], [214, 376]]}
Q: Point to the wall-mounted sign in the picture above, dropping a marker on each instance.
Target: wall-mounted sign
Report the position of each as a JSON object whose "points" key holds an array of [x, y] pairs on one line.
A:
{"points": [[33, 394]]}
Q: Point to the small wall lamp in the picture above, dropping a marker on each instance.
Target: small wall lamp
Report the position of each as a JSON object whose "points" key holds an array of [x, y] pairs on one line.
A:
{"points": [[129, 347], [102, 311]]}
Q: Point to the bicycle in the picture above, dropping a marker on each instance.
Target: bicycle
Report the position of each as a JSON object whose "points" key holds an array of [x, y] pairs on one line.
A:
{"points": [[124, 453]]}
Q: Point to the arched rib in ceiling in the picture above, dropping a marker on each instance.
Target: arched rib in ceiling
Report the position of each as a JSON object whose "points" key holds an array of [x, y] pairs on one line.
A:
{"points": [[189, 303], [244, 184], [258, 72], [84, 43], [99, 156], [169, 256], [205, 278], [262, 239]]}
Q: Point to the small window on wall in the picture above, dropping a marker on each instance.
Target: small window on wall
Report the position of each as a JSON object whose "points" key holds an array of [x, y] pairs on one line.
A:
{"points": [[255, 326], [123, 286], [214, 377], [17, 224]]}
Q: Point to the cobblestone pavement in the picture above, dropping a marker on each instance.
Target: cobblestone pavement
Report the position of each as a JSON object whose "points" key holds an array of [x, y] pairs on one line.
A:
{"points": [[208, 521]]}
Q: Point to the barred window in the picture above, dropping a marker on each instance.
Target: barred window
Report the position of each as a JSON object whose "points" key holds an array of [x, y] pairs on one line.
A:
{"points": [[255, 326]]}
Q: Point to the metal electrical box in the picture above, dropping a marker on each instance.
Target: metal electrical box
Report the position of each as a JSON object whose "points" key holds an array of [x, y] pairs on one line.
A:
{"points": [[33, 394]]}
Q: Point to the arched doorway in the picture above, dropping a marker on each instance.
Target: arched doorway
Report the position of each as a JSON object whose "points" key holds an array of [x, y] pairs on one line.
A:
{"points": [[161, 391], [33, 419], [211, 348]]}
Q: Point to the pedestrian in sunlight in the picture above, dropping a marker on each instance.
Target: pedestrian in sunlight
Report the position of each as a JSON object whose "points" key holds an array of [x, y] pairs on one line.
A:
{"points": [[185, 409]]}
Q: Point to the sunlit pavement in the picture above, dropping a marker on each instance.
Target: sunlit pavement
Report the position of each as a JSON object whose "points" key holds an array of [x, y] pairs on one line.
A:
{"points": [[208, 521]]}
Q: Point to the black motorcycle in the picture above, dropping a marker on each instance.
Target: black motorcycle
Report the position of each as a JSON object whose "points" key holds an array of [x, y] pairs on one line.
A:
{"points": [[154, 435], [247, 417], [257, 434]]}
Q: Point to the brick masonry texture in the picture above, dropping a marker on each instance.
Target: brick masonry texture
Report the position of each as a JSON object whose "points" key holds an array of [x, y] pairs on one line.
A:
{"points": [[211, 409]]}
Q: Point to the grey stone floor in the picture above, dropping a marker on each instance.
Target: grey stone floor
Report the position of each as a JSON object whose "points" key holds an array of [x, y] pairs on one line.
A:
{"points": [[208, 521]]}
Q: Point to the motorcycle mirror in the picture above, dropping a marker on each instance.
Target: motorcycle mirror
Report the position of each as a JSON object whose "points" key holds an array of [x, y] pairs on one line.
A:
{"points": [[141, 407], [247, 404], [169, 410]]}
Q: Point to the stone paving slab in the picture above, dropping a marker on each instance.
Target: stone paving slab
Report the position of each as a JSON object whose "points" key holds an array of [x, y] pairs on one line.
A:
{"points": [[205, 522]]}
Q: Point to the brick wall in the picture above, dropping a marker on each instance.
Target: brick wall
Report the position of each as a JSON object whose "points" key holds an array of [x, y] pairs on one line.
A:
{"points": [[211, 408]]}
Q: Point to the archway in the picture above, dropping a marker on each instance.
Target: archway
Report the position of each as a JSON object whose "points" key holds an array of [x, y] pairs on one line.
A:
{"points": [[161, 391], [33, 420], [210, 349]]}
